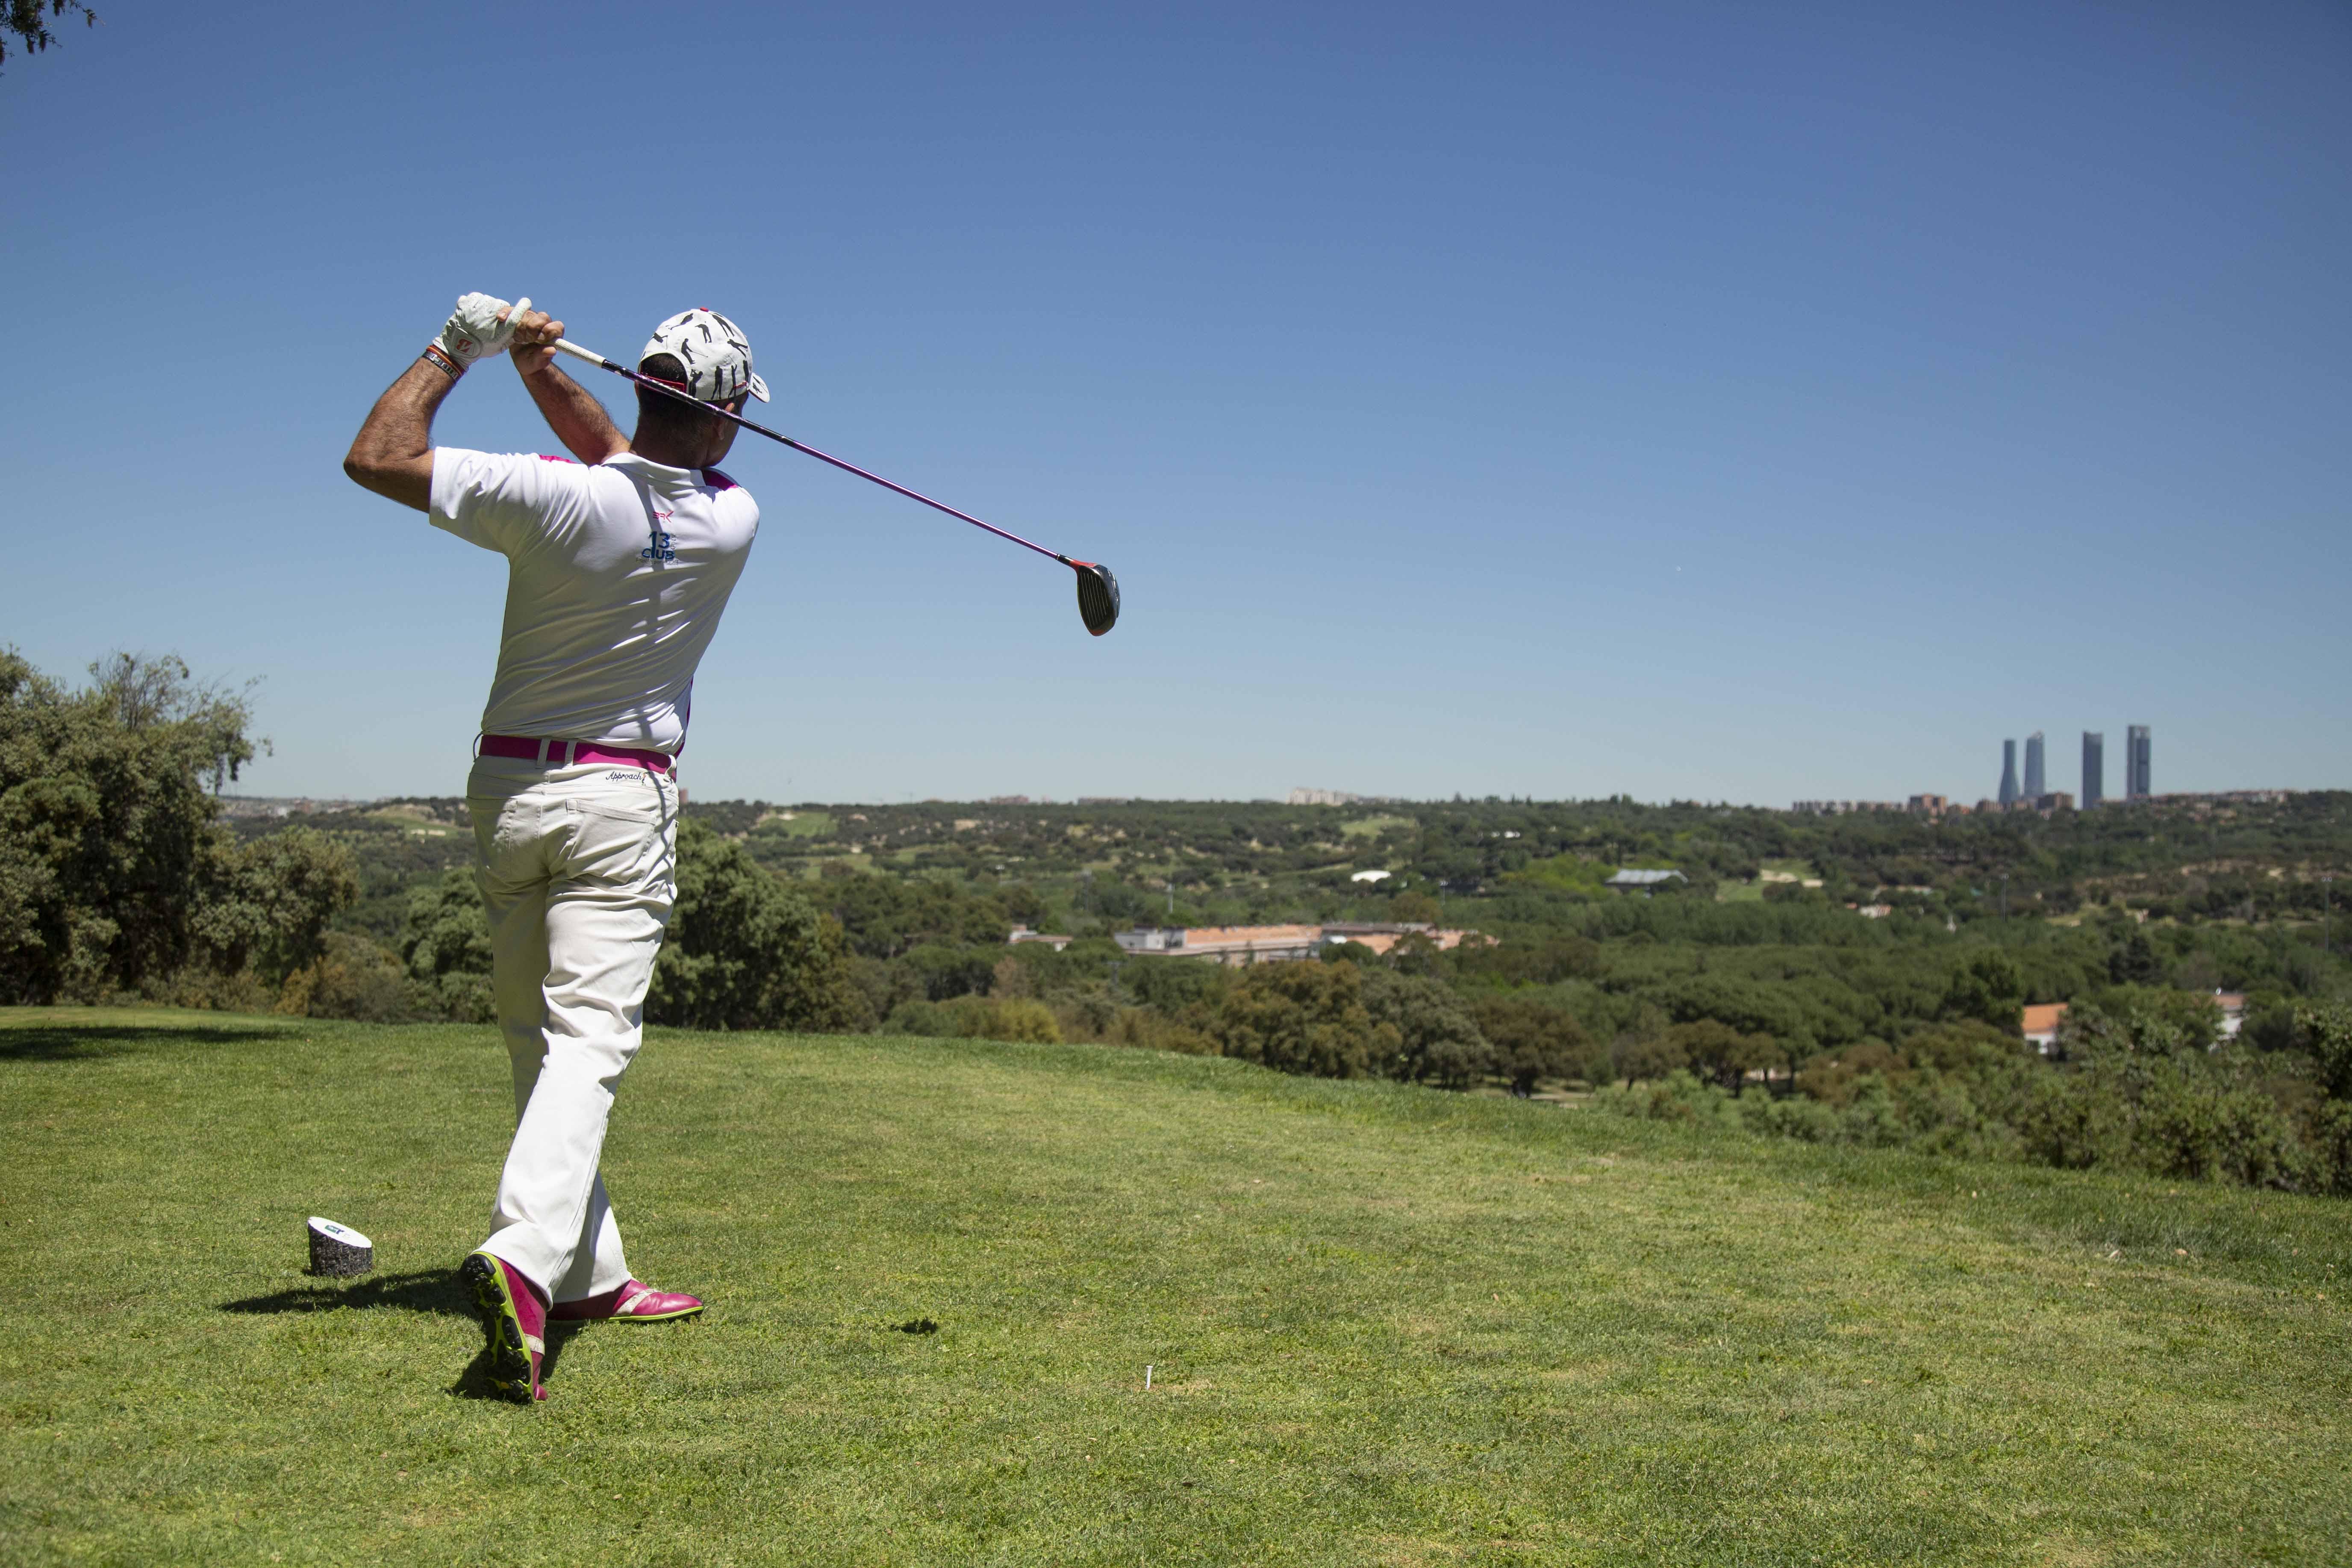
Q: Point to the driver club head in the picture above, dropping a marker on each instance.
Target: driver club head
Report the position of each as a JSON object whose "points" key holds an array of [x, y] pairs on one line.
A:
{"points": [[1098, 596]]}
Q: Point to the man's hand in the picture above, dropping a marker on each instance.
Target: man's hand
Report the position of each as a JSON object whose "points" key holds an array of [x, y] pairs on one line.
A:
{"points": [[477, 329], [528, 334]]}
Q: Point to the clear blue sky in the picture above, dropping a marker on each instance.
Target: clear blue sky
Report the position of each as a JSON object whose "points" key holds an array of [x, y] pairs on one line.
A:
{"points": [[1729, 402]]}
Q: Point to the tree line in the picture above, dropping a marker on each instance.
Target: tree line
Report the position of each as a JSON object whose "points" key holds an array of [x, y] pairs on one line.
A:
{"points": [[1787, 1014]]}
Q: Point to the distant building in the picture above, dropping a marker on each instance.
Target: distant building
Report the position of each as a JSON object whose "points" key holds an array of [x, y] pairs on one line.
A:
{"points": [[2234, 1012], [2008, 775], [1323, 798], [1927, 805], [1022, 933], [1382, 936], [2056, 800], [2136, 770], [1370, 877], [2039, 1025], [2095, 769], [2035, 787], [1276, 945], [1624, 880]]}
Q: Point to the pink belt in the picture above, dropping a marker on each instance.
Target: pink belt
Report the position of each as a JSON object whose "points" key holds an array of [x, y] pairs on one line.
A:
{"points": [[570, 753]]}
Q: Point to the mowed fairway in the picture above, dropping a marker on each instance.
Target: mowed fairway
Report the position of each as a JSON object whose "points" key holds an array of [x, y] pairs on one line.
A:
{"points": [[1387, 1325]]}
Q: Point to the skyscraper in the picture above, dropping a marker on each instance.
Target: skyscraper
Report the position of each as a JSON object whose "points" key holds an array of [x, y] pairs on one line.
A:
{"points": [[2094, 768], [2034, 786], [2008, 772], [2136, 762]]}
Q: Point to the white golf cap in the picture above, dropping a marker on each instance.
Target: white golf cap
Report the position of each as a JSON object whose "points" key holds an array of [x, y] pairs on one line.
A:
{"points": [[715, 352]]}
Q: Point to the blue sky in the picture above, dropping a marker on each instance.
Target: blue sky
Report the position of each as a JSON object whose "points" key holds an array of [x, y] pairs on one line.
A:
{"points": [[1725, 402]]}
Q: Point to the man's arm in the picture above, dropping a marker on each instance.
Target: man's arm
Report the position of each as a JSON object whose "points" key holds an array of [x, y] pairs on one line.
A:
{"points": [[392, 453], [578, 420]]}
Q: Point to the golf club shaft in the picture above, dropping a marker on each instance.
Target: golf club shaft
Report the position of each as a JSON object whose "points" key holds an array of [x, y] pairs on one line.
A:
{"points": [[564, 345]]}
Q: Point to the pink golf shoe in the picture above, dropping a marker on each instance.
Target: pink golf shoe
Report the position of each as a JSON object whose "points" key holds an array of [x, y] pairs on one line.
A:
{"points": [[514, 1323], [635, 1302]]}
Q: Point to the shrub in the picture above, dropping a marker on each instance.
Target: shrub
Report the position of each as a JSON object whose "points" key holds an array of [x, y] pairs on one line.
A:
{"points": [[977, 1018], [2331, 1144], [354, 978]]}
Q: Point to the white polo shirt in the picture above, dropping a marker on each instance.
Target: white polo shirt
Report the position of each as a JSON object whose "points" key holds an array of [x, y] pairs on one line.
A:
{"points": [[616, 577]]}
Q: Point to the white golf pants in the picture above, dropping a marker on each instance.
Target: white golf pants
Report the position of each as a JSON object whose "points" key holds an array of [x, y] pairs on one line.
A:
{"points": [[578, 869]]}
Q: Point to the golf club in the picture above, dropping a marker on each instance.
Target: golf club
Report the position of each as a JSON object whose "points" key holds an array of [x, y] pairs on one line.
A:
{"points": [[1097, 589]]}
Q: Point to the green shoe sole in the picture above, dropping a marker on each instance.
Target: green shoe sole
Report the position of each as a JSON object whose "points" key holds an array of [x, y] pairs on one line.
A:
{"points": [[512, 1372]]}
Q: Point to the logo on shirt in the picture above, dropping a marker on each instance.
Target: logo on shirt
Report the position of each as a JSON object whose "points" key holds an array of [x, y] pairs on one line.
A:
{"points": [[662, 548]]}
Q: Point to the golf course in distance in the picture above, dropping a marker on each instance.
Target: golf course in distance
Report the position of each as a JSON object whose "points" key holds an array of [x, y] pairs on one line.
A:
{"points": [[1387, 1324]]}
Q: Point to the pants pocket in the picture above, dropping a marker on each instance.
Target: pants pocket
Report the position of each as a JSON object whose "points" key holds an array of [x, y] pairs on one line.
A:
{"points": [[620, 845]]}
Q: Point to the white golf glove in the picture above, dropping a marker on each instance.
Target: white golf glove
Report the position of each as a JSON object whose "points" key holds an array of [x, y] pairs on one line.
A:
{"points": [[474, 331]]}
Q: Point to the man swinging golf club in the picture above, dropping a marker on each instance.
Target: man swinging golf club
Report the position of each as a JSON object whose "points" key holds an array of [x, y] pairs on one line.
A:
{"points": [[619, 567]]}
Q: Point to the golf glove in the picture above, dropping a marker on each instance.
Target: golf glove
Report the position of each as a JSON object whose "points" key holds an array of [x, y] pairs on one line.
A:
{"points": [[474, 331]]}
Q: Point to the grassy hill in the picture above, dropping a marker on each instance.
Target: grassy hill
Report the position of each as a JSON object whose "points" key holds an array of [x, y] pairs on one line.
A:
{"points": [[1387, 1325]]}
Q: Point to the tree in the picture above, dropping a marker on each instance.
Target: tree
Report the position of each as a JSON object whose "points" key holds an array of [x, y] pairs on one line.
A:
{"points": [[110, 842], [1435, 1037], [1301, 1018], [1718, 1051], [1532, 1042], [2134, 961], [745, 952], [1415, 907], [1638, 1057], [2326, 1031], [1987, 987], [266, 903], [25, 21], [446, 943]]}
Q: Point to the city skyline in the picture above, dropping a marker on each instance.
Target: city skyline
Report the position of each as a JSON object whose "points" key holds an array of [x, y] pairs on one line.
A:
{"points": [[2139, 773]]}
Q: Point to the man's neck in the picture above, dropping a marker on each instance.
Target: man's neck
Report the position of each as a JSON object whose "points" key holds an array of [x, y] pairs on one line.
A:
{"points": [[668, 454]]}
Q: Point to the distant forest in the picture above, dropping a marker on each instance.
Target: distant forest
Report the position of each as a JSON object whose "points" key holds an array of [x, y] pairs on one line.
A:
{"points": [[1854, 977]]}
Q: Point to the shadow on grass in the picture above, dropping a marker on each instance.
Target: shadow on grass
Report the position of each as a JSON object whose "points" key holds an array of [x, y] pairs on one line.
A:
{"points": [[438, 1291], [474, 1382], [80, 1042]]}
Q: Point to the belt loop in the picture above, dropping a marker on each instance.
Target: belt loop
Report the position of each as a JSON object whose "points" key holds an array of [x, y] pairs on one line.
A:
{"points": [[570, 750], [542, 751]]}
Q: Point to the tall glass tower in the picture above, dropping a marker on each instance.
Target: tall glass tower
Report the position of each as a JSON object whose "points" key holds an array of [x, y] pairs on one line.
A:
{"points": [[2008, 772], [2094, 768], [2135, 785], [2034, 786]]}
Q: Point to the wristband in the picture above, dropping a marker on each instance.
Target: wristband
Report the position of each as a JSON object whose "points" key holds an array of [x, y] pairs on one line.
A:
{"points": [[438, 358]]}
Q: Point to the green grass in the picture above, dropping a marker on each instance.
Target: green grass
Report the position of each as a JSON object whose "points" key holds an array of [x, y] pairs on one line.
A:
{"points": [[801, 824], [1373, 826], [1753, 892], [1388, 1325]]}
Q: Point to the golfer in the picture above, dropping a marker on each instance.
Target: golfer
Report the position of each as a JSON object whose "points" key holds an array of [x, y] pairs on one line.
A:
{"points": [[618, 567]]}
